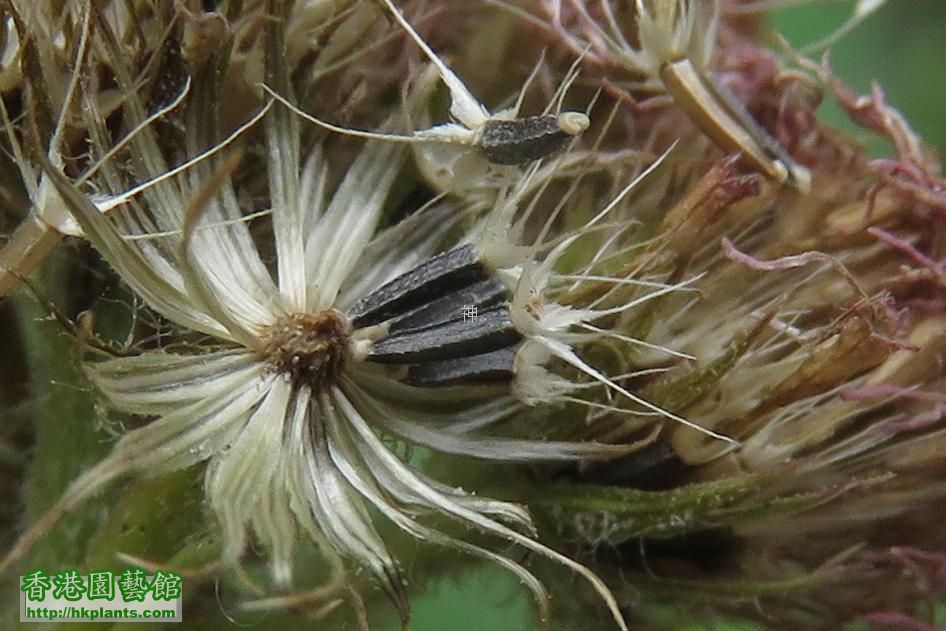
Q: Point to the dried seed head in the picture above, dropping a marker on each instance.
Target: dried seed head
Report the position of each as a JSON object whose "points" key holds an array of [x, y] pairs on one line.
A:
{"points": [[311, 348]]}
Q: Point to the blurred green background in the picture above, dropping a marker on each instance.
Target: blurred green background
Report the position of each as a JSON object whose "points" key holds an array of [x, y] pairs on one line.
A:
{"points": [[902, 46]]}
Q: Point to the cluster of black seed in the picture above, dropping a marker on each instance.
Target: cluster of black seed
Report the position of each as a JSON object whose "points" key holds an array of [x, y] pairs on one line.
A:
{"points": [[447, 321]]}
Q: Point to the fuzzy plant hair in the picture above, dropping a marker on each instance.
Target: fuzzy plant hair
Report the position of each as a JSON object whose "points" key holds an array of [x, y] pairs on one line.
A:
{"points": [[358, 295]]}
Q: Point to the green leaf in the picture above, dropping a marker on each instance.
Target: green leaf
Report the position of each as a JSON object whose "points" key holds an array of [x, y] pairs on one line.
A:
{"points": [[153, 519], [615, 514]]}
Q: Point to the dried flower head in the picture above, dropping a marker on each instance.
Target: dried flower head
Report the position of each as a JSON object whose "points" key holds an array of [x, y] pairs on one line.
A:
{"points": [[299, 371], [699, 345]]}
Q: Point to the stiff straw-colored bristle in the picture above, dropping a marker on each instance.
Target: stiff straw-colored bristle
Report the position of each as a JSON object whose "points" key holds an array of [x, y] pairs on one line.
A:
{"points": [[475, 127], [674, 350]]}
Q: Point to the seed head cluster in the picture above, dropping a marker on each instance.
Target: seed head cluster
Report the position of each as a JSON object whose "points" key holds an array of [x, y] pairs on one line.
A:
{"points": [[381, 282]]}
